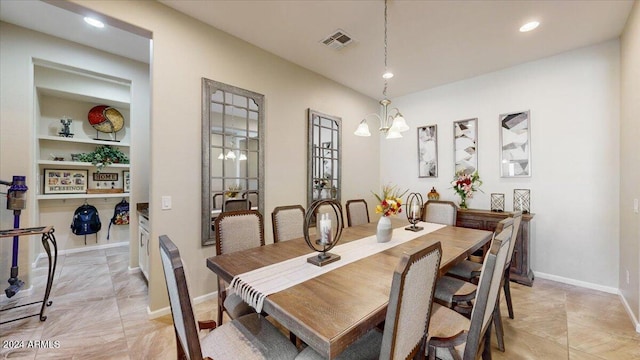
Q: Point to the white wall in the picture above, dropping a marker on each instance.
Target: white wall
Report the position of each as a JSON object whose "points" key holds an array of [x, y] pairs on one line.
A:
{"points": [[18, 48], [574, 103], [184, 51], [630, 163]]}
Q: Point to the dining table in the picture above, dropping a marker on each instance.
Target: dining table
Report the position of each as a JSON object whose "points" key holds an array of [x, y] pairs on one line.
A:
{"points": [[332, 310]]}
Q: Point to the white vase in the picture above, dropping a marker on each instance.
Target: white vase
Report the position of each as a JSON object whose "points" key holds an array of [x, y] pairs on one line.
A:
{"points": [[384, 229]]}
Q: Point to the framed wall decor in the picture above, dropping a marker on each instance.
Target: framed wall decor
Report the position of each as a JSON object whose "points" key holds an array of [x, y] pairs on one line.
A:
{"points": [[465, 146], [428, 151], [515, 144], [126, 181], [65, 181]]}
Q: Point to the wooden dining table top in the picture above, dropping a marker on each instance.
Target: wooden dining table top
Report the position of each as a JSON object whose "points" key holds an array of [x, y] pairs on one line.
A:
{"points": [[333, 310]]}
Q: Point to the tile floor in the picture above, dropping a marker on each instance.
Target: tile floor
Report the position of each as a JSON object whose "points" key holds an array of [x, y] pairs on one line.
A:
{"points": [[99, 312]]}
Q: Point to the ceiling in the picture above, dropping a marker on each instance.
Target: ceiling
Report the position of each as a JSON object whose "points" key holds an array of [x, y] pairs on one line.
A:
{"points": [[430, 43]]}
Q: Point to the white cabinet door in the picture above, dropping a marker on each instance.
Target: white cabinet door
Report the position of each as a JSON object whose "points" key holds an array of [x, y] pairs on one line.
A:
{"points": [[143, 250]]}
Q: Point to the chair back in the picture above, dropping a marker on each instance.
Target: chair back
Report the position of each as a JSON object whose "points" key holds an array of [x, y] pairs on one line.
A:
{"points": [[488, 291], [440, 212], [517, 219], [288, 222], [252, 195], [357, 212], [410, 303], [184, 322], [237, 204], [218, 199], [238, 230]]}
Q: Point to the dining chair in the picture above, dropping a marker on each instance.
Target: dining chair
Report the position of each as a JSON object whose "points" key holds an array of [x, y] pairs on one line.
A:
{"points": [[217, 201], [252, 195], [250, 336], [440, 212], [459, 294], [453, 336], [506, 279], [408, 313], [288, 222], [236, 231], [237, 204], [357, 212], [470, 270]]}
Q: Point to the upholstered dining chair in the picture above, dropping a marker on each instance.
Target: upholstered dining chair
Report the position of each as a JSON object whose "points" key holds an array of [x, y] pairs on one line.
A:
{"points": [[237, 204], [288, 222], [459, 294], [408, 314], [440, 212], [252, 195], [357, 212], [453, 336], [236, 231], [218, 198], [249, 336]]}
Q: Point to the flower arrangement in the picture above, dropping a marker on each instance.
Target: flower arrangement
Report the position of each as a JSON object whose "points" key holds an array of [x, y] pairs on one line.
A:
{"points": [[465, 185], [233, 190], [390, 200]]}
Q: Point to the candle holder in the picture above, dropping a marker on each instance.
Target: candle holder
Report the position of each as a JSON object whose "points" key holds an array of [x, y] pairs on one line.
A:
{"points": [[414, 211], [497, 202], [522, 200], [329, 234]]}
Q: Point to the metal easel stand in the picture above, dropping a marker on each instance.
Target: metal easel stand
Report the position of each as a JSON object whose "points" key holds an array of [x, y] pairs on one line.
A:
{"points": [[48, 240]]}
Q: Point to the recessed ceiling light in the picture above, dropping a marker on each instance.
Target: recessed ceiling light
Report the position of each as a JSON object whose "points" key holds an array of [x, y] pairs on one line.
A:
{"points": [[529, 26], [387, 75], [94, 22]]}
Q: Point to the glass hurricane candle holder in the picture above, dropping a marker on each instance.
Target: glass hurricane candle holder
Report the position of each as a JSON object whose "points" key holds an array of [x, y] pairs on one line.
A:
{"points": [[327, 232], [414, 211], [497, 202], [522, 200]]}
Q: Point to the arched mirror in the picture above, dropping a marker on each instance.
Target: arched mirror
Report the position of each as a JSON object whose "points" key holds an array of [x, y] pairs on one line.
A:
{"points": [[232, 152], [323, 156]]}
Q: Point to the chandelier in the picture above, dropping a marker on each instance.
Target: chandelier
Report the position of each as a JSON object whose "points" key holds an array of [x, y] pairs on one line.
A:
{"points": [[392, 122]]}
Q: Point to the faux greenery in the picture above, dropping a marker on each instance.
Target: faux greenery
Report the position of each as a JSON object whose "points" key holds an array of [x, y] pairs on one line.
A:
{"points": [[104, 155]]}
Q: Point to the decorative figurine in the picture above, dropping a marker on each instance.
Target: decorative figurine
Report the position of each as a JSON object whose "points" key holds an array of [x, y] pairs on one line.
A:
{"points": [[66, 127]]}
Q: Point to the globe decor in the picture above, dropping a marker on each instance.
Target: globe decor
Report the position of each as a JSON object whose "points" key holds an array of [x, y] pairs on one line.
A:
{"points": [[106, 119], [327, 233]]}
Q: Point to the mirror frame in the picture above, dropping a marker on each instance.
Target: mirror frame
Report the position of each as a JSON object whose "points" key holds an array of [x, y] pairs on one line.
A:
{"points": [[312, 114], [209, 87]]}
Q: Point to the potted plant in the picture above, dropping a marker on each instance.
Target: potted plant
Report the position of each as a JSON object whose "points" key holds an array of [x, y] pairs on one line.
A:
{"points": [[104, 155]]}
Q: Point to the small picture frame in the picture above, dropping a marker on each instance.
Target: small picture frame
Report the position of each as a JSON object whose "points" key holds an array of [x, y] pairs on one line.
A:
{"points": [[428, 151], [126, 181], [65, 181], [515, 144], [465, 146]]}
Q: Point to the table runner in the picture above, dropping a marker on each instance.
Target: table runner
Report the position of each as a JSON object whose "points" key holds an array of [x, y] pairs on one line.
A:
{"points": [[254, 286]]}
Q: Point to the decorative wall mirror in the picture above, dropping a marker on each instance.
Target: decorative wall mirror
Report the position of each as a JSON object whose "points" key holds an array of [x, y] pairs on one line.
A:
{"points": [[232, 152], [323, 157]]}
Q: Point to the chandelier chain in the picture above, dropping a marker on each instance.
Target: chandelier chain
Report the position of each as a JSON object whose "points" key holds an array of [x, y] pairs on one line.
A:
{"points": [[384, 91]]}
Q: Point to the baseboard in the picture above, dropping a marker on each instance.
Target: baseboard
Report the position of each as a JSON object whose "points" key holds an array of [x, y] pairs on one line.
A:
{"points": [[20, 294], [167, 310], [584, 284], [79, 250], [631, 314], [133, 270]]}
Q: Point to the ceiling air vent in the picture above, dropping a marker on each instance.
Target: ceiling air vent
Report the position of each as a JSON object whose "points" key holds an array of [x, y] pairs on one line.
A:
{"points": [[337, 40]]}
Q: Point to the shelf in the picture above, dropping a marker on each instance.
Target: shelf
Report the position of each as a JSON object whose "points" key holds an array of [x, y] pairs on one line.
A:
{"points": [[79, 164], [80, 196], [82, 141]]}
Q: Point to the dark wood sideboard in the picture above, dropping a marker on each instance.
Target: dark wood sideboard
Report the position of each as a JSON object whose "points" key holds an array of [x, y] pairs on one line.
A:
{"points": [[487, 220]]}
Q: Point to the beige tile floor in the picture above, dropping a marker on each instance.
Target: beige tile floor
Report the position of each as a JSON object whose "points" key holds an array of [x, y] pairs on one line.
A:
{"points": [[99, 312]]}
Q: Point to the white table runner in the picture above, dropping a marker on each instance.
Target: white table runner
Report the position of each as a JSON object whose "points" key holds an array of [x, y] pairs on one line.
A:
{"points": [[254, 286]]}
